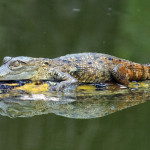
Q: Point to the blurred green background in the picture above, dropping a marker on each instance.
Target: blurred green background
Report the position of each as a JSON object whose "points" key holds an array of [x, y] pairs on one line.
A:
{"points": [[51, 28]]}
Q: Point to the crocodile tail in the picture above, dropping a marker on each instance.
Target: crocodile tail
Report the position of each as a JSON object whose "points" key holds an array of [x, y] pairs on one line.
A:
{"points": [[137, 72], [147, 70], [130, 71]]}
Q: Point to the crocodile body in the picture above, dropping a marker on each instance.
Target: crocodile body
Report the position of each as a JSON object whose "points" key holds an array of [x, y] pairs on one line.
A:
{"points": [[74, 68]]}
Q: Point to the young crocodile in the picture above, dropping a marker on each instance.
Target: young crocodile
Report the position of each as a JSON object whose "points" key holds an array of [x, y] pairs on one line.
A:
{"points": [[74, 68]]}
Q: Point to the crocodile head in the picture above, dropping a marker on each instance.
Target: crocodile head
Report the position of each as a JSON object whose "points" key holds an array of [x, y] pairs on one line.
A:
{"points": [[18, 68]]}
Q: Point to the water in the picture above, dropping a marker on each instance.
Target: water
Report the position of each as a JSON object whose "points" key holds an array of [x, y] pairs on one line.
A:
{"points": [[82, 102], [54, 28], [42, 118]]}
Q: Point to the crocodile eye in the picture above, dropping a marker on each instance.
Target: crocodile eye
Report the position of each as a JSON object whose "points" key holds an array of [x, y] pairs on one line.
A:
{"points": [[16, 65]]}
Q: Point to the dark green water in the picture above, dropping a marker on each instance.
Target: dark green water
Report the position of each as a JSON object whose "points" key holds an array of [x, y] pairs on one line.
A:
{"points": [[52, 28]]}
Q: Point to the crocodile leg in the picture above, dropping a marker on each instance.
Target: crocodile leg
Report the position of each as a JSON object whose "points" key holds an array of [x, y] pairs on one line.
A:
{"points": [[120, 74], [64, 78]]}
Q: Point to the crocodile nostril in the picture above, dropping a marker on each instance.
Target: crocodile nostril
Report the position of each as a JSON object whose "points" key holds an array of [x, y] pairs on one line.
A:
{"points": [[6, 59]]}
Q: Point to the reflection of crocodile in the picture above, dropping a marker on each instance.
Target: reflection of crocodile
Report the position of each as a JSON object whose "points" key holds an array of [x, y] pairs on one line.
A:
{"points": [[74, 68], [81, 104]]}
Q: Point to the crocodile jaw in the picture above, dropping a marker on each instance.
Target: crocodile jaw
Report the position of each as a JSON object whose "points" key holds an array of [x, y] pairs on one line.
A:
{"points": [[7, 74]]}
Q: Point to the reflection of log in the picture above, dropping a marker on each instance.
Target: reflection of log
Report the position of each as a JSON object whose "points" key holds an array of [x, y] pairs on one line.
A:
{"points": [[80, 104]]}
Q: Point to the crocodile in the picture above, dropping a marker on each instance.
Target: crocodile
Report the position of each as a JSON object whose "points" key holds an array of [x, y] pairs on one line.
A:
{"points": [[77, 68]]}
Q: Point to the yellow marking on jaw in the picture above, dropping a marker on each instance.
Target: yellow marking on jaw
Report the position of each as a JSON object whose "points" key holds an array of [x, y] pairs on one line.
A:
{"points": [[33, 88]]}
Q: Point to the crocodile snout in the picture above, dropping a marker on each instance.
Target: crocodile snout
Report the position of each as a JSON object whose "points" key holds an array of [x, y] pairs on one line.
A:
{"points": [[4, 71]]}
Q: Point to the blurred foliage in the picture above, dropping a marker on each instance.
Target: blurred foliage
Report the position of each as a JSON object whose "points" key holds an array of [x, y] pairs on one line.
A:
{"points": [[54, 28]]}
